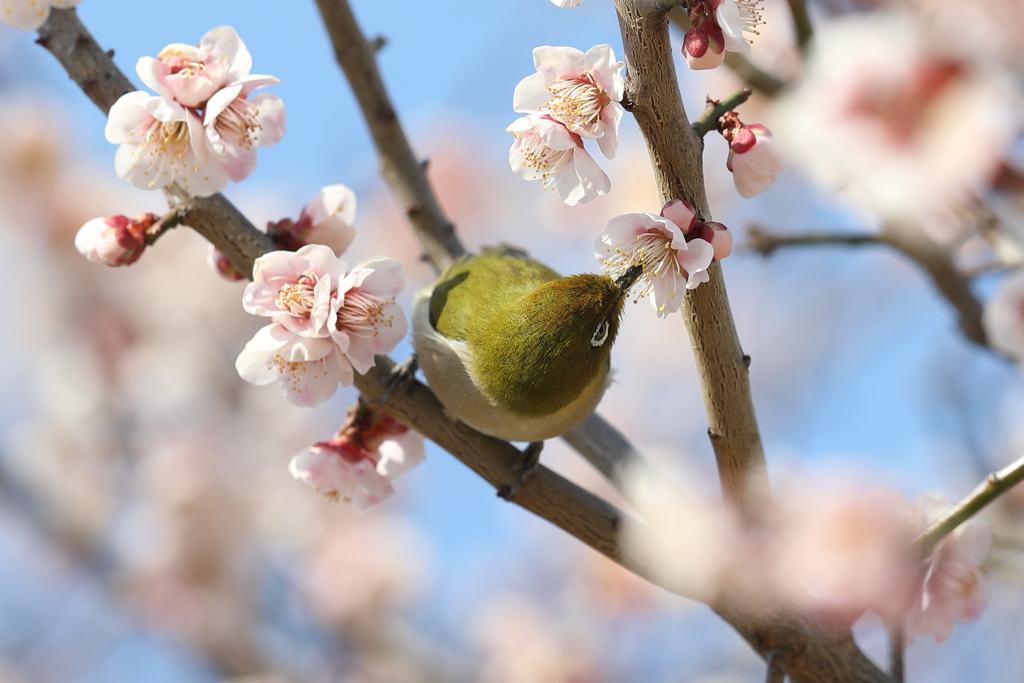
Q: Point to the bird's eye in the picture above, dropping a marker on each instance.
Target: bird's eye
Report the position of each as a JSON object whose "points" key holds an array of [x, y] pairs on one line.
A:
{"points": [[600, 334]]}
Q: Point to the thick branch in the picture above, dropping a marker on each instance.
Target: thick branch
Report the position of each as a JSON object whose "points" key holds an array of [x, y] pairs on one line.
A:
{"points": [[399, 166], [995, 485], [801, 23], [675, 151]]}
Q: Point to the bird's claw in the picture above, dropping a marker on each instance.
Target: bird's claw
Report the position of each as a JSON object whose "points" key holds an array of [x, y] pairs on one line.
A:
{"points": [[400, 376], [528, 465]]}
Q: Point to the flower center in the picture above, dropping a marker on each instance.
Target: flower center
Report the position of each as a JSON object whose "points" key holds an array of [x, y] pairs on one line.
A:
{"points": [[363, 313], [577, 101], [238, 123], [653, 252], [541, 158], [297, 298]]}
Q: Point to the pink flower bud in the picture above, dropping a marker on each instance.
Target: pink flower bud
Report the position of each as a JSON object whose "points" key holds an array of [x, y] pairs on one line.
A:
{"points": [[220, 263], [754, 160], [704, 44], [114, 240], [720, 239], [327, 219], [681, 213]]}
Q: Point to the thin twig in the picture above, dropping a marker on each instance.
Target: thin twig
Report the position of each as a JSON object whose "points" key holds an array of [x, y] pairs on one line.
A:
{"points": [[708, 121], [995, 484], [765, 242], [801, 23], [399, 166], [897, 645]]}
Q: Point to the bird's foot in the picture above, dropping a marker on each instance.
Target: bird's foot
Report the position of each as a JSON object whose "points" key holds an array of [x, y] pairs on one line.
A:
{"points": [[401, 375], [528, 465]]}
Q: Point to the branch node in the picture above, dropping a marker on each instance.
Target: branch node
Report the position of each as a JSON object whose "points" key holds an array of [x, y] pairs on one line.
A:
{"points": [[378, 43], [746, 361]]}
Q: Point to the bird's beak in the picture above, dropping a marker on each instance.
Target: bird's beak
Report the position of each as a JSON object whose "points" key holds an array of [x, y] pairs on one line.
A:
{"points": [[627, 279]]}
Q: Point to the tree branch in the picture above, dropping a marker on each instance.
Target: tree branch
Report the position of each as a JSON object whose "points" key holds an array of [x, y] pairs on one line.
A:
{"points": [[708, 121], [995, 485], [765, 243], [801, 23], [399, 166]]}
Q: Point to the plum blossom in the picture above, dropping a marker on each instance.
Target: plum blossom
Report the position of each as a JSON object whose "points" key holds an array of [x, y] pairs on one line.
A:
{"points": [[370, 450], [327, 219], [201, 129], [580, 90], [161, 142], [192, 74], [672, 260], [567, 3], [1003, 317], [953, 587], [546, 150], [911, 124], [114, 240], [754, 159], [29, 15], [717, 26], [326, 321]]}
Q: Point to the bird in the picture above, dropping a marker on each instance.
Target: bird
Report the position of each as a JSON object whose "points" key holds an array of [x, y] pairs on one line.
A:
{"points": [[515, 351]]}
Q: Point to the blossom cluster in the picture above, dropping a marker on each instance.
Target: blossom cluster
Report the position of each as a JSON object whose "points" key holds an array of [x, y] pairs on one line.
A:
{"points": [[29, 15], [572, 97], [327, 322], [358, 465], [201, 128], [674, 249]]}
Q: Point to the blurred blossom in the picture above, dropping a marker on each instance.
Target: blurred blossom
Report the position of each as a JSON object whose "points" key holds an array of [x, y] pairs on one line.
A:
{"points": [[993, 27], [567, 3], [522, 643], [672, 261], [754, 158], [114, 240], [546, 150], [846, 547], [907, 122], [326, 322], [371, 448], [717, 26], [29, 15], [1003, 317], [582, 91], [364, 566], [953, 587]]}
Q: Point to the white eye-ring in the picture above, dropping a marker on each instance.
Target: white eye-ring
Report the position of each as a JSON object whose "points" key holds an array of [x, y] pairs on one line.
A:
{"points": [[600, 334]]}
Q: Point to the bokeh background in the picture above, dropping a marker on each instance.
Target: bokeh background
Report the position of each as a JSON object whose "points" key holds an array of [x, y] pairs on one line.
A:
{"points": [[149, 529]]}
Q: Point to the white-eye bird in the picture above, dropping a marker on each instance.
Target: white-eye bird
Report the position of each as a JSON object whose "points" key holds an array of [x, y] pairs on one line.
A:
{"points": [[514, 350]]}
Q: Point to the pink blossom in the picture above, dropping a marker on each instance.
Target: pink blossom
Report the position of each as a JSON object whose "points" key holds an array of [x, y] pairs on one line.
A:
{"points": [[567, 3], [295, 288], [29, 15], [341, 471], [717, 26], [754, 160], [580, 90], [191, 74], [308, 369], [327, 219], [162, 142], [954, 587], [326, 322], [671, 263], [114, 240], [546, 150], [1004, 317], [370, 450], [235, 125], [365, 320]]}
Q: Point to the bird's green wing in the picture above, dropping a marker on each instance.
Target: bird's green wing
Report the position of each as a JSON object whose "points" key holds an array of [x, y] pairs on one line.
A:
{"points": [[477, 286]]}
